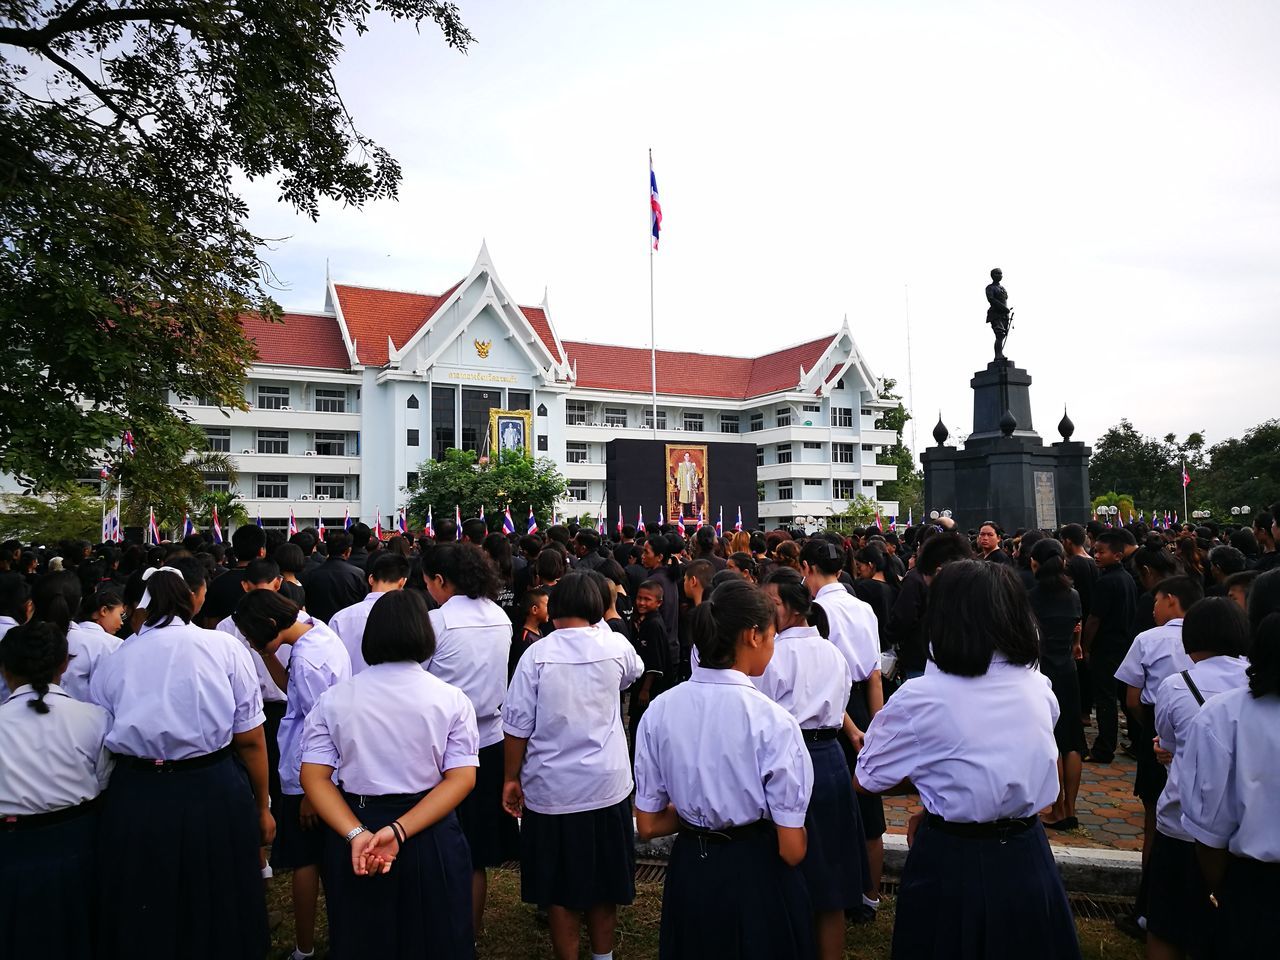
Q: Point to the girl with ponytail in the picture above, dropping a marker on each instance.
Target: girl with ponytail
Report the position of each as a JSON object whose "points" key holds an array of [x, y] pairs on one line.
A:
{"points": [[55, 766], [726, 769]]}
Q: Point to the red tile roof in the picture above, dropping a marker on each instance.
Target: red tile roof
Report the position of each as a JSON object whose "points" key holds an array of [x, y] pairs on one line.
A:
{"points": [[693, 374], [300, 340], [373, 315]]}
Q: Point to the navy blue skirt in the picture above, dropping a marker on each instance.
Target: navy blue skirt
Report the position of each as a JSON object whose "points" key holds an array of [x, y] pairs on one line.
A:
{"points": [[181, 870], [835, 866], [1246, 925], [982, 899], [295, 847], [422, 908], [578, 860], [734, 901], [491, 832], [870, 805], [48, 889], [1177, 908]]}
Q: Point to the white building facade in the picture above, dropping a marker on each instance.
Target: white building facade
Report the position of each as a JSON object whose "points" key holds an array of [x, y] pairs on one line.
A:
{"points": [[345, 404]]}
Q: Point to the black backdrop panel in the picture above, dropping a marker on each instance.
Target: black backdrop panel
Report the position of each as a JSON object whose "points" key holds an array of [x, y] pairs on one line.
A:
{"points": [[634, 479]]}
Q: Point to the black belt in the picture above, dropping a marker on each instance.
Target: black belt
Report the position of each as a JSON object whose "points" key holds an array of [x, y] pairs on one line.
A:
{"points": [[173, 766], [821, 735], [405, 799], [728, 834], [981, 831], [32, 821]]}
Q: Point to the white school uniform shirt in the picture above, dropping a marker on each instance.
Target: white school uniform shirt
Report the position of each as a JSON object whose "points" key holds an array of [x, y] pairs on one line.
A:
{"points": [[854, 630], [723, 754], [52, 760], [473, 643], [176, 692], [563, 699], [87, 644], [1176, 708], [808, 678], [348, 623], [1230, 784], [270, 692], [1154, 655], [977, 748], [6, 624], [392, 728], [318, 661]]}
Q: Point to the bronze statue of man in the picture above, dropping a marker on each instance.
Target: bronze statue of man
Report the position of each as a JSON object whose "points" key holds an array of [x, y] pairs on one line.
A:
{"points": [[998, 313]]}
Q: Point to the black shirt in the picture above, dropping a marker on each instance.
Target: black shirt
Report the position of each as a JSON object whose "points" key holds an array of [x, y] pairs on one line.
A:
{"points": [[880, 596], [1058, 612], [1084, 574], [998, 556], [221, 598], [1115, 604], [906, 622], [333, 586]]}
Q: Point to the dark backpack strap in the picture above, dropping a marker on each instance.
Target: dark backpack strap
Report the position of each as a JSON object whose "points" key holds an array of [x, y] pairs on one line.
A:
{"points": [[1191, 685]]}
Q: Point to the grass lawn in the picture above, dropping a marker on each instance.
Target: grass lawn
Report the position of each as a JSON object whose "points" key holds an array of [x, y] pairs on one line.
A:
{"points": [[512, 934]]}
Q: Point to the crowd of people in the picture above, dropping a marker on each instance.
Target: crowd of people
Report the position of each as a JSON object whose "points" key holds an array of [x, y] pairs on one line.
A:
{"points": [[389, 720]]}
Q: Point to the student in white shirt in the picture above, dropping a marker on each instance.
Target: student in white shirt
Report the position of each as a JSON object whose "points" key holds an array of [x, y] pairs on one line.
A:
{"points": [[725, 768], [856, 634], [404, 748], [183, 822], [317, 661], [15, 608], [1215, 636], [91, 639], [1230, 789], [568, 772], [53, 766], [809, 678], [388, 572], [974, 737], [473, 645]]}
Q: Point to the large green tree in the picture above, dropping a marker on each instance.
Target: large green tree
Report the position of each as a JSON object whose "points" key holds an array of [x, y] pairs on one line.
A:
{"points": [[1242, 471], [460, 481], [126, 258], [1147, 468], [908, 488]]}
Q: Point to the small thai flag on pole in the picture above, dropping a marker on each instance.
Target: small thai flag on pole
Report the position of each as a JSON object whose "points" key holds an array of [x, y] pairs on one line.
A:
{"points": [[481, 513], [216, 527], [879, 525], [346, 518], [720, 523], [188, 528], [508, 525], [600, 523], [661, 520], [532, 527], [620, 524], [128, 442], [429, 525], [738, 524], [402, 522], [701, 521], [377, 523], [1186, 477], [655, 208], [640, 528], [680, 523], [457, 521], [910, 516], [259, 518], [105, 472], [293, 523], [319, 524], [152, 527]]}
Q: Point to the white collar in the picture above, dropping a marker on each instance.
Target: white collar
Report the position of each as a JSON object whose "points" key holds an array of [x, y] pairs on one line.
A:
{"points": [[26, 688], [727, 676]]}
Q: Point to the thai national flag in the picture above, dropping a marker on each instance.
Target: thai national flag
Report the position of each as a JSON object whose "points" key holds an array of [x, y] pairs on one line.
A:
{"points": [[293, 523], [661, 520], [720, 523], [532, 527], [259, 518], [215, 526], [402, 522], [879, 525], [738, 524], [655, 208], [619, 521], [153, 528], [188, 528], [105, 472], [701, 521], [346, 518], [640, 528], [508, 525], [429, 525], [910, 517], [457, 521], [1186, 477], [680, 523], [319, 524], [600, 524], [128, 442], [377, 523]]}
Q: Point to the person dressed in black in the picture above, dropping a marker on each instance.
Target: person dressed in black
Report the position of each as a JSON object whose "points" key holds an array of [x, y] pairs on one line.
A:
{"points": [[989, 544], [337, 583], [1107, 634], [1056, 605], [877, 584], [249, 543], [652, 643], [906, 620]]}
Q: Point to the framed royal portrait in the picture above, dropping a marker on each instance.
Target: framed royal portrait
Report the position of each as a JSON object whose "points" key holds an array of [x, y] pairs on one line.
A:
{"points": [[511, 430], [686, 480]]}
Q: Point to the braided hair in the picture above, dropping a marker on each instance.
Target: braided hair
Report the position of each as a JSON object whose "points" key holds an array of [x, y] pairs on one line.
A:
{"points": [[36, 653]]}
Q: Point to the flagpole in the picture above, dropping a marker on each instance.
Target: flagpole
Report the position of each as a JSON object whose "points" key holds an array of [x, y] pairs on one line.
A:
{"points": [[653, 342], [1183, 478]]}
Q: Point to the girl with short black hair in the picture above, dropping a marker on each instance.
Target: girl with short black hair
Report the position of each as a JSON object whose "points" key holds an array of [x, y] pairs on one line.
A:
{"points": [[91, 638], [55, 766], [726, 769]]}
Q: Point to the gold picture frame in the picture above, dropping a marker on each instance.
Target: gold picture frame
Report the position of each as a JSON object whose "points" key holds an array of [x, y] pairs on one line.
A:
{"points": [[510, 430], [672, 473]]}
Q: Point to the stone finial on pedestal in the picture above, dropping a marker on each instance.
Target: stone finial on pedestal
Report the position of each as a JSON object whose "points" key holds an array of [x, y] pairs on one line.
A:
{"points": [[1065, 427], [940, 432]]}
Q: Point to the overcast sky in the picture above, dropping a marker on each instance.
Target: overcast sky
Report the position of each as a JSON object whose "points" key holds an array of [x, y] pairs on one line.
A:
{"points": [[1120, 162]]}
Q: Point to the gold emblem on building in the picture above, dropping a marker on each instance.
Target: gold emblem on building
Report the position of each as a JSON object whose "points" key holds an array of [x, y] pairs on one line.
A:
{"points": [[482, 348]]}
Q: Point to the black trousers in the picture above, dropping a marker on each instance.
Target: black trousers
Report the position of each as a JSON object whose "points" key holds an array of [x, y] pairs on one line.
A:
{"points": [[1104, 660]]}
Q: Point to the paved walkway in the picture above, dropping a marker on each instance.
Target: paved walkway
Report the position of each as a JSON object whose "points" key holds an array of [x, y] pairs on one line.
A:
{"points": [[1110, 815]]}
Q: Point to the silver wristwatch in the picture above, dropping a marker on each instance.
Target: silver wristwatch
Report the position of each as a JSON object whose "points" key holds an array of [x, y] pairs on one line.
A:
{"points": [[355, 832]]}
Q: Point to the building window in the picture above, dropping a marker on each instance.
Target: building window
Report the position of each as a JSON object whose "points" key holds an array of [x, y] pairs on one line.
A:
{"points": [[412, 403], [812, 445], [575, 413], [542, 443], [648, 419], [542, 409], [811, 482], [756, 422], [410, 480], [868, 483], [217, 483], [333, 487], [693, 421], [842, 453], [842, 416], [273, 486], [615, 416], [784, 489], [784, 416], [840, 384], [784, 453], [331, 401], [577, 490], [844, 489], [273, 441], [866, 413], [729, 423], [575, 452], [759, 456], [812, 408], [411, 437], [476, 405], [518, 399], [273, 398], [329, 444], [443, 410], [869, 447], [217, 439]]}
